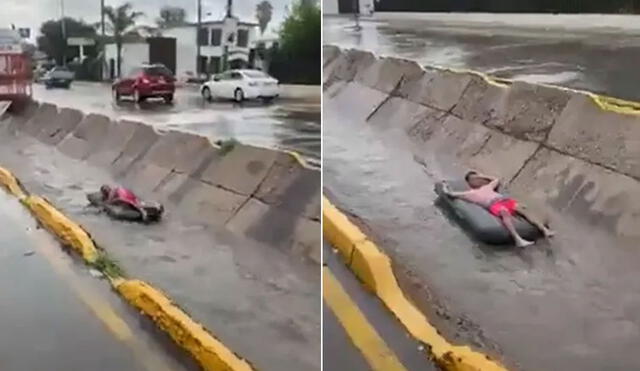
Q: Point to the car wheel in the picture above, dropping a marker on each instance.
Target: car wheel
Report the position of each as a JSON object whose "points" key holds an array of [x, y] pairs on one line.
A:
{"points": [[168, 99], [206, 94], [238, 95]]}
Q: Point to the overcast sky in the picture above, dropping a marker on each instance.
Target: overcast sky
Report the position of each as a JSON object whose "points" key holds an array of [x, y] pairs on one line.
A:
{"points": [[31, 13]]}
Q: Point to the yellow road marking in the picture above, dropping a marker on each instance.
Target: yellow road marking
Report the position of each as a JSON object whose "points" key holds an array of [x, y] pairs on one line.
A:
{"points": [[101, 308], [356, 325]]}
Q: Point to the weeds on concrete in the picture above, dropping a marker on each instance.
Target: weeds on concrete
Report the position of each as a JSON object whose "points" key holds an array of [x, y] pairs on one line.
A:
{"points": [[108, 266], [226, 146]]}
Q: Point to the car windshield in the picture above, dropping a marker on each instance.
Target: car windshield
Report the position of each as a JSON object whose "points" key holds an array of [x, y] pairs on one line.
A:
{"points": [[255, 74], [158, 71]]}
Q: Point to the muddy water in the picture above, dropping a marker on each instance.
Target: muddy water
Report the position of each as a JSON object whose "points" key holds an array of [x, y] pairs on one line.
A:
{"points": [[284, 124], [570, 305], [568, 56]]}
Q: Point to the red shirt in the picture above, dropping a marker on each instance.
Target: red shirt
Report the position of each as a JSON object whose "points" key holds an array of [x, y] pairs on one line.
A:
{"points": [[124, 195]]}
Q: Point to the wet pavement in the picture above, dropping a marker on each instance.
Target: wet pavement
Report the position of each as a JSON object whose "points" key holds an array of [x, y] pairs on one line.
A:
{"points": [[542, 49], [57, 316], [285, 124], [570, 305], [246, 293], [339, 352]]}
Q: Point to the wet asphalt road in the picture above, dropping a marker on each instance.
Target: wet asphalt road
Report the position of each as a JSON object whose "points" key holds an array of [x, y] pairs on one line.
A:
{"points": [[284, 124], [602, 58], [339, 352], [570, 305], [56, 316]]}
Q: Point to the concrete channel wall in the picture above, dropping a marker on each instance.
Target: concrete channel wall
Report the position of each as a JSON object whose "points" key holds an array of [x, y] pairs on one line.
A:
{"points": [[573, 151], [267, 195]]}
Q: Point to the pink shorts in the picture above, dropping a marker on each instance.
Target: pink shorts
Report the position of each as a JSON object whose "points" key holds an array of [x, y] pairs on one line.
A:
{"points": [[507, 204]]}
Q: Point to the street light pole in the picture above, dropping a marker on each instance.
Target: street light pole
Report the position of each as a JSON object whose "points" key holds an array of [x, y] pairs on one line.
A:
{"points": [[64, 34], [103, 62], [198, 38]]}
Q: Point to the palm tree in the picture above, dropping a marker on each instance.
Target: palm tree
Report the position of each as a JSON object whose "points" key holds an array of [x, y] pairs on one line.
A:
{"points": [[263, 13], [120, 21]]}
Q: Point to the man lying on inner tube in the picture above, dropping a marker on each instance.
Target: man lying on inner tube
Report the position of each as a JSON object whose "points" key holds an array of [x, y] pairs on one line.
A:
{"points": [[122, 196], [483, 193]]}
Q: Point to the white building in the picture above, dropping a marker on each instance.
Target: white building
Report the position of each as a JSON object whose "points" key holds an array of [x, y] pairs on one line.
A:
{"points": [[227, 42], [365, 7]]}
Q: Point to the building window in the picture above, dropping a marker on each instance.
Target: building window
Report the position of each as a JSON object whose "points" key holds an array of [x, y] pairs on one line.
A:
{"points": [[216, 36], [203, 34], [214, 64], [243, 38], [202, 65]]}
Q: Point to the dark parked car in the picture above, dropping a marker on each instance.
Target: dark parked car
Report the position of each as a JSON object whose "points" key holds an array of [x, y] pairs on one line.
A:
{"points": [[58, 77], [147, 81]]}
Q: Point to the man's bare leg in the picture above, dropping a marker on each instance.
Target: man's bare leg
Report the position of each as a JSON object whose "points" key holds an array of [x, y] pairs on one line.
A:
{"points": [[507, 219], [523, 212]]}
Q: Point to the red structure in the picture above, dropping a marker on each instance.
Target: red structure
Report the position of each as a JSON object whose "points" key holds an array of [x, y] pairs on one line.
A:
{"points": [[15, 75]]}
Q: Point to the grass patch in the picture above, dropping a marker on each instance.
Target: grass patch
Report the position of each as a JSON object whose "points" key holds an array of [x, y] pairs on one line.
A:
{"points": [[226, 146], [108, 266]]}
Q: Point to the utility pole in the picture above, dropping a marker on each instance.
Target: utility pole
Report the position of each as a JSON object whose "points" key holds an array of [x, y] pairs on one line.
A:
{"points": [[198, 38], [64, 34], [103, 41]]}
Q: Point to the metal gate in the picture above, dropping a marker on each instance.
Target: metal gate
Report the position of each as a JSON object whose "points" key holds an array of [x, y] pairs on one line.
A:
{"points": [[348, 6]]}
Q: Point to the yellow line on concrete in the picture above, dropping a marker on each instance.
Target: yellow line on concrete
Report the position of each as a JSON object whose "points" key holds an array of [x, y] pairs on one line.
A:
{"points": [[357, 327], [373, 267], [69, 232], [207, 350], [11, 184]]}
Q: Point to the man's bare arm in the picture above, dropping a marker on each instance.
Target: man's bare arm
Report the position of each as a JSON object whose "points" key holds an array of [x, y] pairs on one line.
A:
{"points": [[454, 194], [494, 182]]}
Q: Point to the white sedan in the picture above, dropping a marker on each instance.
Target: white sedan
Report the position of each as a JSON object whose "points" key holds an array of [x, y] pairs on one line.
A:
{"points": [[240, 85]]}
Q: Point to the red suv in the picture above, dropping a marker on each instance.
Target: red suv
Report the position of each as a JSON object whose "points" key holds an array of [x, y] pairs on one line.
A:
{"points": [[147, 81]]}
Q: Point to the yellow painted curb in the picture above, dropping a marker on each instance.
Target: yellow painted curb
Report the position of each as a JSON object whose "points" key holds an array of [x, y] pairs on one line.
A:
{"points": [[207, 350], [373, 268], [67, 231], [11, 184]]}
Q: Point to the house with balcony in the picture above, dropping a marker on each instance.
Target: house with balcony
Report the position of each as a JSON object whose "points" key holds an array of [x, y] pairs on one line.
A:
{"points": [[224, 44]]}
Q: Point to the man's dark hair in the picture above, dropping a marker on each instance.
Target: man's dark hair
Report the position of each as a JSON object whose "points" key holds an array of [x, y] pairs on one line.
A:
{"points": [[469, 175]]}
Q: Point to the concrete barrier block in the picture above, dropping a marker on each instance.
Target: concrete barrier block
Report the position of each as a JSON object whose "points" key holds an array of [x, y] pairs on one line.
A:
{"points": [[436, 88], [348, 64], [143, 138], [87, 136], [385, 74], [397, 113], [210, 205], [264, 223], [352, 102], [330, 53], [120, 132], [593, 195], [604, 137], [291, 187], [179, 151], [451, 136], [531, 110], [502, 156], [17, 121], [44, 116], [146, 177], [241, 170], [65, 122], [481, 102]]}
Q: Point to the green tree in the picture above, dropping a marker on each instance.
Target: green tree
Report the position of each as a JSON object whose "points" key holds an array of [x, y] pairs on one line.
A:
{"points": [[51, 41], [264, 11], [120, 21], [171, 16], [296, 58], [301, 32]]}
